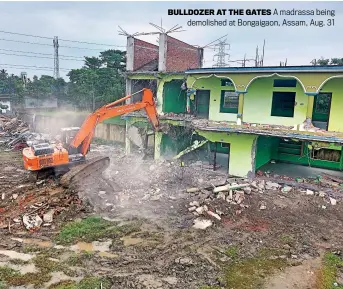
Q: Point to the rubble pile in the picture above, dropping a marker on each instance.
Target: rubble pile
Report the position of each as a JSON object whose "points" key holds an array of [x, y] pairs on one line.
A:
{"points": [[35, 205], [233, 197], [16, 134]]}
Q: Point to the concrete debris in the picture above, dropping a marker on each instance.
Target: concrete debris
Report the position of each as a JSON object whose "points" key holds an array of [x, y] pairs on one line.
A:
{"points": [[3, 195], [48, 216], [40, 182], [333, 201], [309, 192], [321, 194], [214, 215], [229, 187], [195, 203], [32, 222], [323, 207], [286, 189], [272, 186], [191, 209], [14, 196], [200, 210], [263, 206], [221, 195], [202, 224], [194, 146], [193, 190], [247, 190], [184, 261]]}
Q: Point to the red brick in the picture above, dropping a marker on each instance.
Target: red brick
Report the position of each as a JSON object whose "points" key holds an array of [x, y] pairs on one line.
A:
{"points": [[144, 52], [181, 56]]}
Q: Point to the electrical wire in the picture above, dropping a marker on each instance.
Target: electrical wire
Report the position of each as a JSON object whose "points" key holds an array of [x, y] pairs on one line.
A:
{"points": [[66, 40], [33, 56], [49, 54]]}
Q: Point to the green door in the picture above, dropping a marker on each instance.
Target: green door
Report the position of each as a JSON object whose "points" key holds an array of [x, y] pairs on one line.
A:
{"points": [[321, 110], [203, 103], [174, 99]]}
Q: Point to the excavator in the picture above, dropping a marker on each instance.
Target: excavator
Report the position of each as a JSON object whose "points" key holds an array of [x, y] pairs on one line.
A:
{"points": [[69, 154]]}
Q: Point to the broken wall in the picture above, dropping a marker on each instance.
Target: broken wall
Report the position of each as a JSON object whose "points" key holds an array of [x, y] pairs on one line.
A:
{"points": [[143, 53], [242, 151], [174, 98], [181, 56]]}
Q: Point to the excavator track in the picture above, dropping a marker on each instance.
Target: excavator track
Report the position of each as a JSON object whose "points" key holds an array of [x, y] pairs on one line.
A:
{"points": [[92, 167]]}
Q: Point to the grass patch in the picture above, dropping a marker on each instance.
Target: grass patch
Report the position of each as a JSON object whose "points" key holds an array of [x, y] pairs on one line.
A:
{"points": [[32, 249], [92, 229], [86, 283], [327, 275], [250, 273], [79, 259], [287, 239], [232, 252], [19, 262], [12, 277]]}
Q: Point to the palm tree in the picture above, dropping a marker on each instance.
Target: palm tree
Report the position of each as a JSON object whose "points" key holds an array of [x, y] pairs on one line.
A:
{"points": [[3, 74]]}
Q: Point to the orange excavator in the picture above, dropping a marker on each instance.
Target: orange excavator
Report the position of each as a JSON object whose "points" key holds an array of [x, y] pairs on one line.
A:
{"points": [[75, 143]]}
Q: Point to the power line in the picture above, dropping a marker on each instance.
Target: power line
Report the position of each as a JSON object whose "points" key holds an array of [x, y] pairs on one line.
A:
{"points": [[21, 65], [38, 53], [34, 56], [45, 44], [51, 38]]}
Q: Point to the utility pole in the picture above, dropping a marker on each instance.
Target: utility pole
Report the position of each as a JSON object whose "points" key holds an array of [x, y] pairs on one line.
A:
{"points": [[221, 53], [56, 59]]}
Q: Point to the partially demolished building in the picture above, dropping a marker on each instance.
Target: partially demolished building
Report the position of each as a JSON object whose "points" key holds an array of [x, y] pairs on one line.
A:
{"points": [[237, 118]]}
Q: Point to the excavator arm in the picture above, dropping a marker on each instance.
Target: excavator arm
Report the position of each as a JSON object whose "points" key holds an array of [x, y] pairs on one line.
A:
{"points": [[86, 132]]}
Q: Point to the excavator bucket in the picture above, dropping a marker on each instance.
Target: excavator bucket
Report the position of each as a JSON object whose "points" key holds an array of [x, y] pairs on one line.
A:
{"points": [[91, 168]]}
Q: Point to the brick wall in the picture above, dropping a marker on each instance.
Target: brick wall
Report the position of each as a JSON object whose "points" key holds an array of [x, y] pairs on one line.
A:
{"points": [[181, 56], [144, 52]]}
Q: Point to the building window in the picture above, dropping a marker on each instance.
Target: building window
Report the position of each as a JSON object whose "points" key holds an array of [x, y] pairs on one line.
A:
{"points": [[229, 101], [285, 82], [327, 155], [323, 102], [227, 82], [283, 104], [225, 145]]}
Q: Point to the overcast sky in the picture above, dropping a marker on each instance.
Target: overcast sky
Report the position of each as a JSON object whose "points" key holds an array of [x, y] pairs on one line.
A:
{"points": [[98, 22]]}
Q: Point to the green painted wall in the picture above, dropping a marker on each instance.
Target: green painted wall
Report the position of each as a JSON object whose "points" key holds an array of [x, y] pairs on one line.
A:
{"points": [[336, 113], [162, 80], [258, 103], [269, 148], [174, 99], [242, 151], [214, 85], [175, 141], [305, 159], [266, 150]]}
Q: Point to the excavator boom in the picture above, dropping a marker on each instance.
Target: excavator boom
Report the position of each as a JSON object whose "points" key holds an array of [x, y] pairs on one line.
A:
{"points": [[86, 132], [45, 155]]}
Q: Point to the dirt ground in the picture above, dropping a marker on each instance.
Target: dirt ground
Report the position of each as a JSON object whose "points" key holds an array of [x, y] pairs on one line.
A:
{"points": [[132, 228]]}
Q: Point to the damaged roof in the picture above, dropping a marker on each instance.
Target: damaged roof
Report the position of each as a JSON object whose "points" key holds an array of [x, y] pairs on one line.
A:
{"points": [[272, 69]]}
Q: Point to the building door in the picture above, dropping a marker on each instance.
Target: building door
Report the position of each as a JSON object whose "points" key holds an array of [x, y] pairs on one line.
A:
{"points": [[202, 103], [321, 110]]}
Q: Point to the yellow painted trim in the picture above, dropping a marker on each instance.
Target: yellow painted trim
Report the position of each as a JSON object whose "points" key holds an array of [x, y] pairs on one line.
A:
{"points": [[310, 106], [240, 103]]}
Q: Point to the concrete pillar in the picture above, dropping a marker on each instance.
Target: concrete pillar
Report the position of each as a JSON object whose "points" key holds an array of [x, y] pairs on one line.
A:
{"points": [[310, 104], [128, 83], [128, 144], [158, 141], [240, 107], [129, 53], [162, 52]]}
